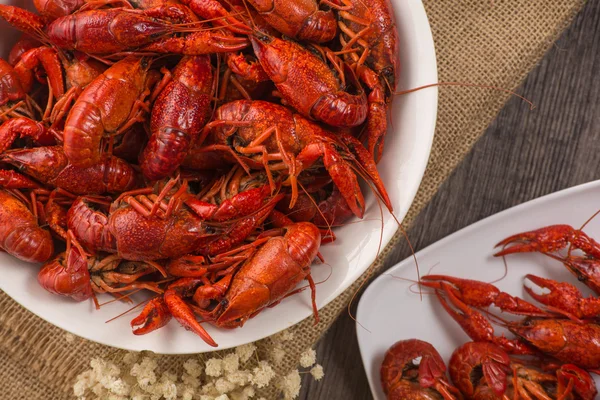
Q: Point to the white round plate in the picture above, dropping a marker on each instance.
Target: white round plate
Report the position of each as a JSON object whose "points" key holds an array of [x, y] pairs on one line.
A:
{"points": [[407, 150], [389, 311]]}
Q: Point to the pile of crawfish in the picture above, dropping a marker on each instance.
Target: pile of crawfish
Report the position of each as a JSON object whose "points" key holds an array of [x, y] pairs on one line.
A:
{"points": [[199, 150], [554, 349]]}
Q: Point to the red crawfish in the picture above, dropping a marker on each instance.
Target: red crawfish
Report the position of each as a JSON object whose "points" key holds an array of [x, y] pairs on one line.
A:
{"points": [[404, 378], [568, 341], [484, 371], [370, 29], [65, 72], [302, 20], [308, 84], [550, 239], [50, 166], [372, 26], [20, 234], [132, 231], [109, 31], [461, 297], [74, 68], [75, 274], [109, 105], [269, 132], [178, 116], [264, 280]]}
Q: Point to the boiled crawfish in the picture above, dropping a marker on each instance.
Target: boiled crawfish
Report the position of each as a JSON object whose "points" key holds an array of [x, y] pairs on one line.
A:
{"points": [[549, 240], [131, 230], [483, 370], [269, 276], [107, 106], [50, 166], [76, 275], [567, 340], [274, 133], [20, 234], [189, 92], [403, 377]]}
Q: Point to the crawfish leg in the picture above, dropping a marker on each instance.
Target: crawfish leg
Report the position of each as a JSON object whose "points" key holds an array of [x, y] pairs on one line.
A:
{"points": [[238, 232], [256, 146], [63, 105]]}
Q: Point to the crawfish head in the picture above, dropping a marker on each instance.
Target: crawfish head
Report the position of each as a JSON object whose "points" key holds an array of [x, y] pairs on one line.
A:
{"points": [[42, 163], [567, 340]]}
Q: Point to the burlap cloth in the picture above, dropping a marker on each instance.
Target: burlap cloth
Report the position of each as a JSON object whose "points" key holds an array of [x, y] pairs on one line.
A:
{"points": [[490, 42]]}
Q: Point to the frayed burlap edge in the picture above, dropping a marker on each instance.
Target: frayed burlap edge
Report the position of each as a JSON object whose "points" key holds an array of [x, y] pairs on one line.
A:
{"points": [[487, 42]]}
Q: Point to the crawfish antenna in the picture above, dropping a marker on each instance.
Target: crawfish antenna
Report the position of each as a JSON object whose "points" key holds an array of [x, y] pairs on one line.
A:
{"points": [[467, 84], [589, 219], [329, 224], [249, 14], [361, 172], [129, 310]]}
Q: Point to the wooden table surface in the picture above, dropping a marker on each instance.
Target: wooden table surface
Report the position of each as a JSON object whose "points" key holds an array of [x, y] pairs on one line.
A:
{"points": [[524, 154]]}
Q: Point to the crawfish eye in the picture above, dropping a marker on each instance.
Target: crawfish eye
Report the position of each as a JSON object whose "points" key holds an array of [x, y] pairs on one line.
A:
{"points": [[527, 322], [581, 278], [263, 37]]}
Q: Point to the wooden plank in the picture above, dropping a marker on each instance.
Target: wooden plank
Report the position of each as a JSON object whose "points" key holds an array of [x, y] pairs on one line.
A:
{"points": [[523, 155]]}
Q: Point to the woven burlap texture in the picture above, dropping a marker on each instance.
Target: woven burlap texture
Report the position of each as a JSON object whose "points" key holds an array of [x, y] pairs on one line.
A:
{"points": [[479, 41]]}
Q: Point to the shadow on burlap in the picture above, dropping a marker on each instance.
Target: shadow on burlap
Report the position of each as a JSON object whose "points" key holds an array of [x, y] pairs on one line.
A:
{"points": [[480, 41]]}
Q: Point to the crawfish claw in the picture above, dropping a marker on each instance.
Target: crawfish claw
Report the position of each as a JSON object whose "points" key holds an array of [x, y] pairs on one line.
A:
{"points": [[481, 294], [544, 240], [185, 316], [583, 383], [472, 322], [155, 315], [554, 291]]}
